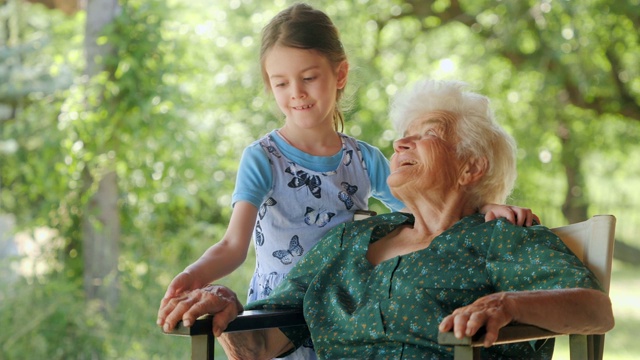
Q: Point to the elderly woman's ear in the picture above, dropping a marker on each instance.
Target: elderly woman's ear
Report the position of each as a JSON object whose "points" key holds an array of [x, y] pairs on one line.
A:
{"points": [[473, 170]]}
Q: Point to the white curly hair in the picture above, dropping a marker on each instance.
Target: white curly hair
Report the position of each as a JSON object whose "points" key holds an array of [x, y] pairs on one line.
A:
{"points": [[478, 133]]}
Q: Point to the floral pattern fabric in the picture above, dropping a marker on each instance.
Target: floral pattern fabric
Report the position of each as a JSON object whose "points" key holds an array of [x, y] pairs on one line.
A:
{"points": [[392, 310]]}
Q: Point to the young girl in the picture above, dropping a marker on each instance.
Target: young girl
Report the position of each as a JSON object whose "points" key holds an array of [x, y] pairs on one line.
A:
{"points": [[297, 182]]}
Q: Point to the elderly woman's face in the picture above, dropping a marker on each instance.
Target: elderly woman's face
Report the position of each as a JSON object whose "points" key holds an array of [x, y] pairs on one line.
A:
{"points": [[425, 157]]}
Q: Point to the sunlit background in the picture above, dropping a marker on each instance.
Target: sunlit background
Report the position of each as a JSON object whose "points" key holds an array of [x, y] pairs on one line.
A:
{"points": [[117, 173]]}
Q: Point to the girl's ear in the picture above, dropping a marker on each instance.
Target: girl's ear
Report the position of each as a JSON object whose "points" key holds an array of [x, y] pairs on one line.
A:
{"points": [[474, 169], [343, 71]]}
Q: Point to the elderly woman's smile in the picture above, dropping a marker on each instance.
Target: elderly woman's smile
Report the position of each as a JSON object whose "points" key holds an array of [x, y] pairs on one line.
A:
{"points": [[402, 161]]}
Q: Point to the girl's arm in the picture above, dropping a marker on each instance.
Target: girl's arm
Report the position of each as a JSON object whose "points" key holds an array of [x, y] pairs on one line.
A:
{"points": [[378, 169], [255, 344], [253, 181], [220, 259], [231, 251]]}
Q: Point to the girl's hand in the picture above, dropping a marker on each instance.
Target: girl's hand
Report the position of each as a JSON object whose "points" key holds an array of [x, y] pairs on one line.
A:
{"points": [[514, 214], [182, 283]]}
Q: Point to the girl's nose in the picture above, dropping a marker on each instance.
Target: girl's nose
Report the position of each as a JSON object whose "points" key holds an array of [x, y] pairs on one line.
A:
{"points": [[298, 92]]}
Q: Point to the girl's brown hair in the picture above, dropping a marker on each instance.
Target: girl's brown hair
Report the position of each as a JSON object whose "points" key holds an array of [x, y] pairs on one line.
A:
{"points": [[303, 27]]}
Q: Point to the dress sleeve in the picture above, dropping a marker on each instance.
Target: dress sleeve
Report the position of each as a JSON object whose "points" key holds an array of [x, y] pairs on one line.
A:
{"points": [[378, 169], [534, 258], [254, 178]]}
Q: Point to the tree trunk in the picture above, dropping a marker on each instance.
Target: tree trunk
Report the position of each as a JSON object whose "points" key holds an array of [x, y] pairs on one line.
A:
{"points": [[101, 221], [575, 206], [100, 240], [100, 13]]}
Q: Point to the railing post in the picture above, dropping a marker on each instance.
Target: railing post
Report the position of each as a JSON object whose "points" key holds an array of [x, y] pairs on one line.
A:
{"points": [[202, 347]]}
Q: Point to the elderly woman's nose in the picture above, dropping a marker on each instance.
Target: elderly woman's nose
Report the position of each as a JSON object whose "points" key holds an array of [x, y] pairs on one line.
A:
{"points": [[403, 144]]}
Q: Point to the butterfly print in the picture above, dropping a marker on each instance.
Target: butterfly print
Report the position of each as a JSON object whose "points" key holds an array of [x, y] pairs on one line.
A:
{"points": [[345, 195], [259, 236], [266, 291], [272, 150], [263, 208], [364, 165], [302, 178], [286, 256], [348, 155], [317, 217]]}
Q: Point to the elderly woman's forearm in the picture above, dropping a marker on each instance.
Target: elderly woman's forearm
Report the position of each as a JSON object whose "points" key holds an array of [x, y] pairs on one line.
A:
{"points": [[257, 344], [577, 311]]}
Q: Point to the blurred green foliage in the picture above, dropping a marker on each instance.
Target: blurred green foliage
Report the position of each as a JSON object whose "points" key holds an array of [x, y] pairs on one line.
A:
{"points": [[183, 96]]}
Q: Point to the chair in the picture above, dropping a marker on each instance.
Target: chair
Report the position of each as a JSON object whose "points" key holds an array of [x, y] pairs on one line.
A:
{"points": [[591, 240], [201, 332]]}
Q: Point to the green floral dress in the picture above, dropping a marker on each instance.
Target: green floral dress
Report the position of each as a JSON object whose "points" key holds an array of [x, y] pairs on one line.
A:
{"points": [[392, 310]]}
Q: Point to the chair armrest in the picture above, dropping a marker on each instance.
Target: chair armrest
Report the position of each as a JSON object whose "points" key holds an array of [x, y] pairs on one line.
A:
{"points": [[247, 320], [508, 334]]}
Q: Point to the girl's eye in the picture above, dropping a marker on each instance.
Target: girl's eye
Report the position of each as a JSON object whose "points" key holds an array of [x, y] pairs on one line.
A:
{"points": [[310, 78]]}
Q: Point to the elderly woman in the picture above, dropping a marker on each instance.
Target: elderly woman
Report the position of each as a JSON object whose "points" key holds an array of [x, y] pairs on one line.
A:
{"points": [[385, 286]]}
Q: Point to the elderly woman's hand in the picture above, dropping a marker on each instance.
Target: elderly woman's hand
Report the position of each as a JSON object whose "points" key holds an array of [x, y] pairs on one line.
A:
{"points": [[492, 311], [216, 300]]}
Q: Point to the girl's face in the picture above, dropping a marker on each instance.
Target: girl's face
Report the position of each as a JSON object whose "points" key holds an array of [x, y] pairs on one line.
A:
{"points": [[304, 85]]}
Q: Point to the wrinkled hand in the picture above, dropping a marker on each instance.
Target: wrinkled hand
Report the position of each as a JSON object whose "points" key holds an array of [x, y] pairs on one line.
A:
{"points": [[492, 311], [216, 300], [514, 214], [180, 284]]}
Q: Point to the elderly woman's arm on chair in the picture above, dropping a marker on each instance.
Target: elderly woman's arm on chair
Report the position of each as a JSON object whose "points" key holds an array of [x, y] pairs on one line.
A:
{"points": [[256, 344], [576, 311], [223, 303]]}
